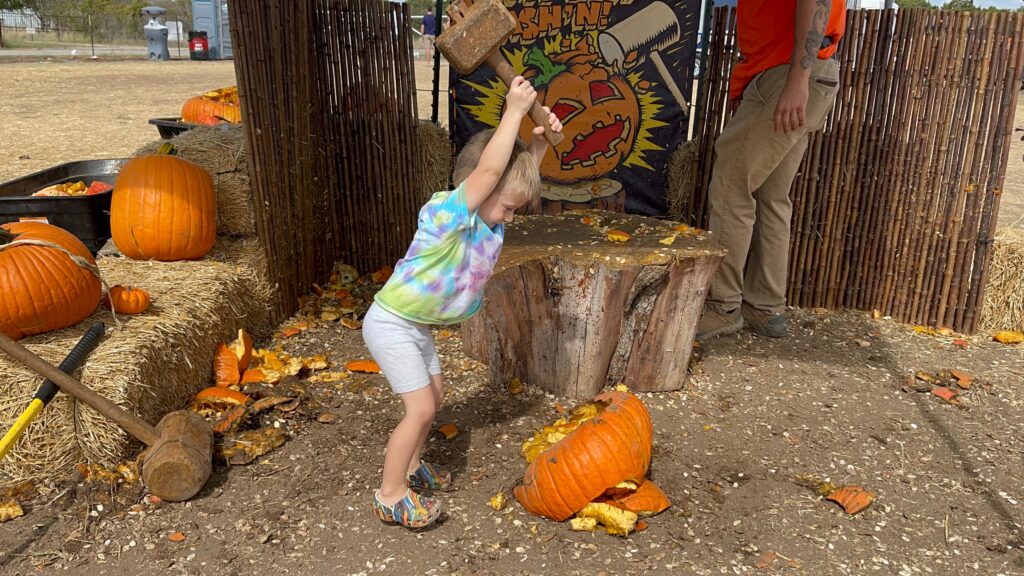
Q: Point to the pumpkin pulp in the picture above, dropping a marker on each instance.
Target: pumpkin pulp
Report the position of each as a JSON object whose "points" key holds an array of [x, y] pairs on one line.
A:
{"points": [[548, 436]]}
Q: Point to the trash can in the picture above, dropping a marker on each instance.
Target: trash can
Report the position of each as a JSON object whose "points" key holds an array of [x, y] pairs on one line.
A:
{"points": [[198, 45], [156, 33]]}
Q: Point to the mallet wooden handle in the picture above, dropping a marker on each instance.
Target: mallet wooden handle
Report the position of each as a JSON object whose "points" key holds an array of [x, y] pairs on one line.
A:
{"points": [[130, 422], [537, 113]]}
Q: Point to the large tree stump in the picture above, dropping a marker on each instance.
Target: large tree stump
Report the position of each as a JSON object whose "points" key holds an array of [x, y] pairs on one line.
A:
{"points": [[571, 311]]}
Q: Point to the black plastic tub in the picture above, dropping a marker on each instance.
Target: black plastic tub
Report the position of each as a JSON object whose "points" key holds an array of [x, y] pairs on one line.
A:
{"points": [[87, 217], [170, 127]]}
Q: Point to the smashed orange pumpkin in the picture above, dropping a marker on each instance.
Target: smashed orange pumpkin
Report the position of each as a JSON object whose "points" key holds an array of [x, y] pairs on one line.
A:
{"points": [[232, 360], [611, 443], [220, 105]]}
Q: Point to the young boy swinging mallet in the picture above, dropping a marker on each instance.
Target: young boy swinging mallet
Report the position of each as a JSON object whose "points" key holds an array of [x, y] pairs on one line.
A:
{"points": [[441, 281]]}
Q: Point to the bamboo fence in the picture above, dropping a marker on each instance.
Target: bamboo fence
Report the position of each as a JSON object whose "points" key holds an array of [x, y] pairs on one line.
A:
{"points": [[895, 204], [328, 98]]}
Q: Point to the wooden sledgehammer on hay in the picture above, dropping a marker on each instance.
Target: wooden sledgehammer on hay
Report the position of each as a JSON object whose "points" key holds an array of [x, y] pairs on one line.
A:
{"points": [[178, 460], [475, 36]]}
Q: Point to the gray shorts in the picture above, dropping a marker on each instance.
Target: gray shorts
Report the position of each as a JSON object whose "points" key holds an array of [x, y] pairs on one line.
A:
{"points": [[403, 349]]}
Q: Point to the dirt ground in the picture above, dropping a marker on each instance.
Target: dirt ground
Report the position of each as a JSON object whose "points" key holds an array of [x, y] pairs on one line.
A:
{"points": [[757, 414]]}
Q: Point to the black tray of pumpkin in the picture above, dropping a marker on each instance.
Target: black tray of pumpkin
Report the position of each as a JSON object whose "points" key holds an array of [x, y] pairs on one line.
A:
{"points": [[74, 196]]}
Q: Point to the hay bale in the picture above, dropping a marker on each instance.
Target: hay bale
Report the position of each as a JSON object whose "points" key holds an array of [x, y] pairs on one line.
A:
{"points": [[1003, 308], [434, 160], [221, 151], [150, 367], [682, 180]]}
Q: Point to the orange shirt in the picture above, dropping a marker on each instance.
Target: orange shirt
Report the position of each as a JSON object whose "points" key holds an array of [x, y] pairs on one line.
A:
{"points": [[765, 31]]}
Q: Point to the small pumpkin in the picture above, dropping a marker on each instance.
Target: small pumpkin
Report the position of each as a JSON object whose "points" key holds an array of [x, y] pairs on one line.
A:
{"points": [[613, 446], [41, 288], [163, 208], [127, 300], [221, 104], [366, 366]]}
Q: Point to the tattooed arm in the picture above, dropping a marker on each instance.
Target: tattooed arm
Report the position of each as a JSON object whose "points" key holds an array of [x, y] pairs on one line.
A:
{"points": [[811, 18]]}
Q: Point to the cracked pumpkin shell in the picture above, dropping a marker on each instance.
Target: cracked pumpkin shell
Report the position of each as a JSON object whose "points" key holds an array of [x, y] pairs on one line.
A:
{"points": [[218, 399], [610, 448]]}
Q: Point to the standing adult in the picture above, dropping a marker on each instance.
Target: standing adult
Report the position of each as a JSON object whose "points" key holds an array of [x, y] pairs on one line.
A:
{"points": [[428, 28], [782, 90]]}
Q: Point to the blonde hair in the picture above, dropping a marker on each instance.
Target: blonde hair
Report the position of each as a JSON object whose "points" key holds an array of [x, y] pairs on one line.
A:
{"points": [[521, 176]]}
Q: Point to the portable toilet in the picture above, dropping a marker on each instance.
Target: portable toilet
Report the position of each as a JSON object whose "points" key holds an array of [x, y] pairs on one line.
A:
{"points": [[156, 33], [211, 16]]}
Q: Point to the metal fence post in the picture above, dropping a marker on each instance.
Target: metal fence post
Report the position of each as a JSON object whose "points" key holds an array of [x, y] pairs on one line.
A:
{"points": [[438, 25], [92, 38], [702, 58]]}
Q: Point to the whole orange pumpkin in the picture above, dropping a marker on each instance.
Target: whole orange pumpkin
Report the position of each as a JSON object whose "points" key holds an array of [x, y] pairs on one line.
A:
{"points": [[127, 300], [163, 208], [612, 447], [41, 288], [221, 103], [599, 111]]}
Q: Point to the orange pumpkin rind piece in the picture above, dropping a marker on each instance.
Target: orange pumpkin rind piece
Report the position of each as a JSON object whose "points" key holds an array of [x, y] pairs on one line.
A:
{"points": [[1008, 337], [218, 399], [381, 276], [230, 420], [242, 348], [853, 499], [647, 500], [963, 379], [617, 235], [449, 431], [946, 394], [364, 366], [225, 367]]}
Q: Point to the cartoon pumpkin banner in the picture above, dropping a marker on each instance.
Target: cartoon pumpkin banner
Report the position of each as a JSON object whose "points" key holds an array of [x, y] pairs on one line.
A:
{"points": [[619, 75]]}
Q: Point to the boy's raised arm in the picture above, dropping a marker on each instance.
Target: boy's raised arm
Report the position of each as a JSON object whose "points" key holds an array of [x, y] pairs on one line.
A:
{"points": [[481, 182]]}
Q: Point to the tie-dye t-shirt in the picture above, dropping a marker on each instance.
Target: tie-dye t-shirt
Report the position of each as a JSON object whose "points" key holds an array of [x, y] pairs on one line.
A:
{"points": [[442, 277]]}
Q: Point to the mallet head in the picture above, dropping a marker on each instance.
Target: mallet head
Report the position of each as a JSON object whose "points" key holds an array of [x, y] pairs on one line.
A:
{"points": [[478, 29]]}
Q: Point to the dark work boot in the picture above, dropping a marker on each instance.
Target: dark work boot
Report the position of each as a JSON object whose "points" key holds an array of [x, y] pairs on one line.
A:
{"points": [[764, 323]]}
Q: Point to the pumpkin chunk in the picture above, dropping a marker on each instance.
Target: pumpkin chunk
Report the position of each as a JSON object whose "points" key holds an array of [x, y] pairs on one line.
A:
{"points": [[612, 519]]}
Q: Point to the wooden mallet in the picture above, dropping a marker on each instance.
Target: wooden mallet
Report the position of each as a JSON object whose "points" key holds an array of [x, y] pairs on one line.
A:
{"points": [[478, 30], [178, 461]]}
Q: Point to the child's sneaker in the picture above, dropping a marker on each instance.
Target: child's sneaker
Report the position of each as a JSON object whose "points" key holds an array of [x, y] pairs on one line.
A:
{"points": [[430, 477], [412, 511]]}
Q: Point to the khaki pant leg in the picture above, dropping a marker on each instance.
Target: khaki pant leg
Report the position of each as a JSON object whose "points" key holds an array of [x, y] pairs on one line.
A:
{"points": [[767, 266], [748, 152]]}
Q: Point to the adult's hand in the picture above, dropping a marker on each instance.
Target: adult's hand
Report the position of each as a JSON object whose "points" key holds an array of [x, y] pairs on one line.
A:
{"points": [[791, 110]]}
